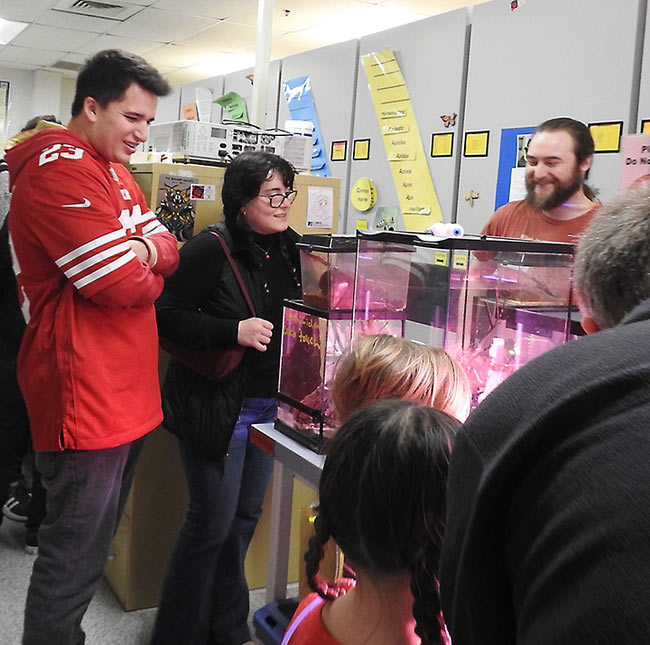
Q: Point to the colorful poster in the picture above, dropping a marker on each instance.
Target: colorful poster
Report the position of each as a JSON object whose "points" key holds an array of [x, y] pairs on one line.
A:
{"points": [[174, 207], [404, 150], [300, 100]]}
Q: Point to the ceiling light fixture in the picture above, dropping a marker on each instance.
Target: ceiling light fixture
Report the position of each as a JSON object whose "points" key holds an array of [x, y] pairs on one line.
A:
{"points": [[9, 29]]}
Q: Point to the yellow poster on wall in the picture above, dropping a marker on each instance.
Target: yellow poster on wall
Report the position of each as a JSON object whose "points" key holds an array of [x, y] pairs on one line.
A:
{"points": [[404, 149]]}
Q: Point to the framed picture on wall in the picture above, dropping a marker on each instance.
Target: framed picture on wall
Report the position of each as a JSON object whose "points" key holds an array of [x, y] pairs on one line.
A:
{"points": [[606, 135], [361, 150], [476, 144], [442, 144], [339, 151]]}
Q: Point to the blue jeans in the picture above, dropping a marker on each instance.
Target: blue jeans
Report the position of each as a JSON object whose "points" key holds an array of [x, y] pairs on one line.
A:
{"points": [[205, 594], [86, 494]]}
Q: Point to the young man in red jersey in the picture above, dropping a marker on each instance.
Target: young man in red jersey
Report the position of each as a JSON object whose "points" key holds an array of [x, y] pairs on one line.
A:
{"points": [[89, 258]]}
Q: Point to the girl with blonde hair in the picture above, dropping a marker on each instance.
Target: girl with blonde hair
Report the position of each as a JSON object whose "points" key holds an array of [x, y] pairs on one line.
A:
{"points": [[380, 367]]}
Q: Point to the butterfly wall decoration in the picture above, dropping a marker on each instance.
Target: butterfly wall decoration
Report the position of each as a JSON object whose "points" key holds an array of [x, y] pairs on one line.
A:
{"points": [[448, 119]]}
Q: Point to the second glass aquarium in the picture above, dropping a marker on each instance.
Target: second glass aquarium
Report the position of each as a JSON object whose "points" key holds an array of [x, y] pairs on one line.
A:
{"points": [[492, 303]]}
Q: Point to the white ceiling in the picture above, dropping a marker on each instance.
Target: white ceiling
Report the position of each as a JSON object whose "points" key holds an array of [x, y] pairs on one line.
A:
{"points": [[195, 39]]}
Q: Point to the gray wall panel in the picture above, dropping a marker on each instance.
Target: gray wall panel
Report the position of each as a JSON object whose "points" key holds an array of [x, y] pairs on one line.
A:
{"points": [[333, 73], [431, 55], [237, 82], [188, 94], [169, 107], [644, 86], [549, 58]]}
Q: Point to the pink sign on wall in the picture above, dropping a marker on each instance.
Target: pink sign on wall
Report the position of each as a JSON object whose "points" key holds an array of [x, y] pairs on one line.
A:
{"points": [[635, 156]]}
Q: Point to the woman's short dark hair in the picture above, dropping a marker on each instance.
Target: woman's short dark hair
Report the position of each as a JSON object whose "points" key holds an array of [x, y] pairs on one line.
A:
{"points": [[242, 182], [108, 74], [382, 500]]}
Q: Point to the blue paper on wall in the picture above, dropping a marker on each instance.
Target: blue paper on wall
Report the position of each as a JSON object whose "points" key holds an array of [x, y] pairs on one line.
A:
{"points": [[297, 91], [509, 158]]}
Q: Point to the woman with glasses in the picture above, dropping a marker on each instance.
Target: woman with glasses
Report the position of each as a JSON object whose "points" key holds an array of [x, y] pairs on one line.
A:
{"points": [[205, 594]]}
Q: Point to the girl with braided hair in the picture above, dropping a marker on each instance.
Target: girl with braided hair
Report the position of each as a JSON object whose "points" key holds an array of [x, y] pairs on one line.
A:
{"points": [[382, 500]]}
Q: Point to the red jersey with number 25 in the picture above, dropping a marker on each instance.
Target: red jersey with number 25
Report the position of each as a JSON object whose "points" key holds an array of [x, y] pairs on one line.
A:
{"points": [[88, 362]]}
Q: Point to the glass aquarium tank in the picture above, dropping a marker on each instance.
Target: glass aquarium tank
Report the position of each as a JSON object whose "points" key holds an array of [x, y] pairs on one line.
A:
{"points": [[318, 329], [492, 303], [327, 264]]}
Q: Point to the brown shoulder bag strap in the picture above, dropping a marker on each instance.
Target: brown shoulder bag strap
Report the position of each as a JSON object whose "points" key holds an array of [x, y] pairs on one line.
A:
{"points": [[235, 270]]}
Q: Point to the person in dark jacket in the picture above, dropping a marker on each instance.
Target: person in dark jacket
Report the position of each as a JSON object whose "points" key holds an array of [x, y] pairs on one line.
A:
{"points": [[15, 440], [205, 595], [548, 504]]}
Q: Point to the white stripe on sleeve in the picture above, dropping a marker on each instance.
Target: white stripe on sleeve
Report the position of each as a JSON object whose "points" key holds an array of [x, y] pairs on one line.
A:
{"points": [[154, 228], [98, 257], [89, 246], [107, 268]]}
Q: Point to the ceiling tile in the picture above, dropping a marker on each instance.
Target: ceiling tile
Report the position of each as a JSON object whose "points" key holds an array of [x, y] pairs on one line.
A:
{"points": [[29, 55], [52, 38], [180, 34], [175, 55], [166, 69], [296, 43], [74, 58], [74, 21], [224, 36], [21, 66], [360, 19], [428, 8], [106, 41], [220, 63], [218, 9], [301, 14], [22, 10], [183, 77], [164, 26]]}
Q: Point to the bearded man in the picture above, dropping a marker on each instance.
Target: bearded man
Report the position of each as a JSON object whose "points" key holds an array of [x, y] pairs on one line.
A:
{"points": [[559, 205]]}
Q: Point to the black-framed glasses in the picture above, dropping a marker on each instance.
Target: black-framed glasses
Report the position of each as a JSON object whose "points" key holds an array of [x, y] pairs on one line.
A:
{"points": [[277, 199]]}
